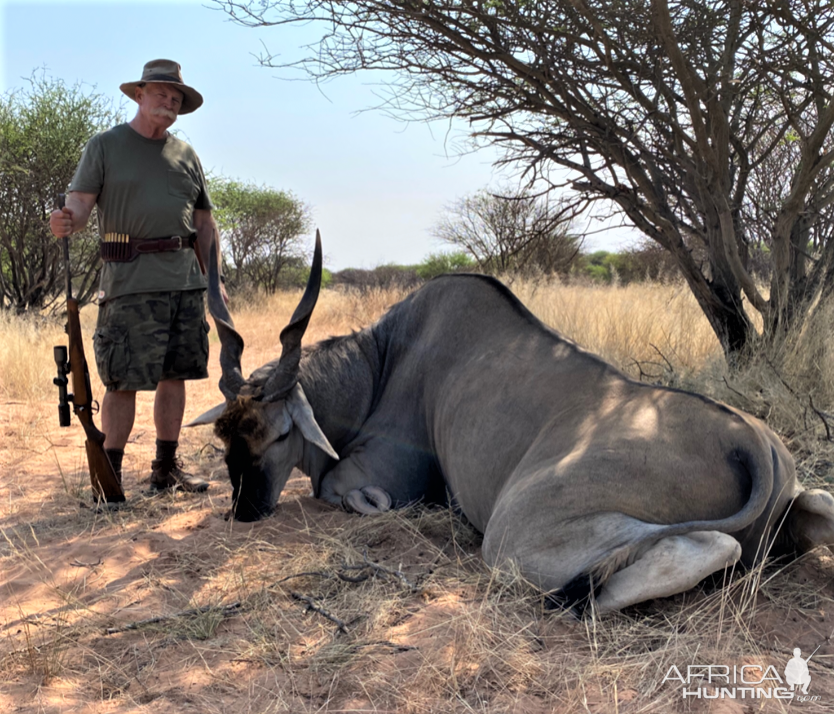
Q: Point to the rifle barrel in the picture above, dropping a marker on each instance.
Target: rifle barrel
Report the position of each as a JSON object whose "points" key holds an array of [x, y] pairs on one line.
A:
{"points": [[62, 200]]}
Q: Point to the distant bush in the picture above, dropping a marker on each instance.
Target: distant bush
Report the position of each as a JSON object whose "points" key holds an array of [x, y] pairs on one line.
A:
{"points": [[384, 277], [647, 261], [642, 263], [296, 273], [404, 277], [596, 266], [440, 263]]}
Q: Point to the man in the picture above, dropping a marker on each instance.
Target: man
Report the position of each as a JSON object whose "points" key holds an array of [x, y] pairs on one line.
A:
{"points": [[154, 212]]}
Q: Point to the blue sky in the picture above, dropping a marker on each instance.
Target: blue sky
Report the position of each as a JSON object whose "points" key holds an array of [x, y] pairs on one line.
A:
{"points": [[375, 185]]}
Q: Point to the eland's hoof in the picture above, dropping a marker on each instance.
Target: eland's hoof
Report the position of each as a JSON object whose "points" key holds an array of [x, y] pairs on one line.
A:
{"points": [[367, 500]]}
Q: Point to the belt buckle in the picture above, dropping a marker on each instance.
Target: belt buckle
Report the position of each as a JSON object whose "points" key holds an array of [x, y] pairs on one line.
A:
{"points": [[179, 242]]}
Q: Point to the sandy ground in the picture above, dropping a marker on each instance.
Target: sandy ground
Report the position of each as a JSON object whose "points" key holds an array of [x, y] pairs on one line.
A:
{"points": [[305, 611]]}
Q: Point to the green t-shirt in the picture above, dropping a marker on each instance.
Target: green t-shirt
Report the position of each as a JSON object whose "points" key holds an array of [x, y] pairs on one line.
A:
{"points": [[146, 188]]}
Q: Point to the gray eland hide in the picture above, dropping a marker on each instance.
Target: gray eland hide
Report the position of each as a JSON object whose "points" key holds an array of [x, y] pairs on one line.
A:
{"points": [[590, 482]]}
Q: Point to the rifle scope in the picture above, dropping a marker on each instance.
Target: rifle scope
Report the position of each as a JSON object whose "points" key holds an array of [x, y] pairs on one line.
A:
{"points": [[59, 352]]}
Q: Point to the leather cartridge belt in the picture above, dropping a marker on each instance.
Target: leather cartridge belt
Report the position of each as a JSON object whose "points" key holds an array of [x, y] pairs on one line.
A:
{"points": [[121, 248]]}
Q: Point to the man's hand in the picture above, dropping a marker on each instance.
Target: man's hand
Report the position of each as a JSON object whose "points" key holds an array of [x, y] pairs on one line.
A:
{"points": [[74, 216], [60, 222]]}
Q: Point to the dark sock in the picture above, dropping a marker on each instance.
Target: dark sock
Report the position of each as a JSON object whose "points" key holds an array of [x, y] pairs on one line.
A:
{"points": [[115, 456], [166, 450]]}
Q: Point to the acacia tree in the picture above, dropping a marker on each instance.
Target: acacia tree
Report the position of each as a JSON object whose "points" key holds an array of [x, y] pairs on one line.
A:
{"points": [[260, 232], [511, 231], [674, 113], [43, 131]]}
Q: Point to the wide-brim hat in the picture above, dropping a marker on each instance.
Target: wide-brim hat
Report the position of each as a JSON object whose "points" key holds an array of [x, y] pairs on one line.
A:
{"points": [[168, 72]]}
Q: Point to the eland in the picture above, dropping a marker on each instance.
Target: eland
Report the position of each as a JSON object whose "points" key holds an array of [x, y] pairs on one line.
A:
{"points": [[587, 480]]}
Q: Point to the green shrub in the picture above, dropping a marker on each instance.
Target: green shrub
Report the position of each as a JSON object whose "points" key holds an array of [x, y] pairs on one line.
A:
{"points": [[439, 263]]}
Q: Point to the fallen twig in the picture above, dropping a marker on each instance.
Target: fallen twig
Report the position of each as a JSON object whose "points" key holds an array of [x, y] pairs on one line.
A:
{"points": [[377, 569], [225, 610], [671, 369], [735, 391], [311, 605], [81, 564], [318, 573], [823, 417], [217, 450], [782, 380], [643, 372], [396, 573], [384, 643]]}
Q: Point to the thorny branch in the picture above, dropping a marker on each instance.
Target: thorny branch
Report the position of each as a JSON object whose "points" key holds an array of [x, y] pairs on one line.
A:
{"points": [[366, 570], [225, 610], [823, 416], [381, 569], [735, 391], [368, 565], [311, 605]]}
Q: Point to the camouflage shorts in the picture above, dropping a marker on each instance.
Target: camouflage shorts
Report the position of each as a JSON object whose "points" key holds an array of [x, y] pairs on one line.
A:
{"points": [[143, 339]]}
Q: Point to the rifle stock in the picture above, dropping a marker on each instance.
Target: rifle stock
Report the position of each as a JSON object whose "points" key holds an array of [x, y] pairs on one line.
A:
{"points": [[105, 482], [103, 477]]}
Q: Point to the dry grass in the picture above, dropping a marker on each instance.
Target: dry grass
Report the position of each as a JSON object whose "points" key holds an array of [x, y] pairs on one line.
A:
{"points": [[630, 326], [26, 362], [344, 614], [27, 365], [653, 325], [646, 324], [336, 313]]}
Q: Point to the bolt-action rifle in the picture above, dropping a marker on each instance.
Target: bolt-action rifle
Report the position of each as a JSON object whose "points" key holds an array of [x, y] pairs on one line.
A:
{"points": [[106, 484]]}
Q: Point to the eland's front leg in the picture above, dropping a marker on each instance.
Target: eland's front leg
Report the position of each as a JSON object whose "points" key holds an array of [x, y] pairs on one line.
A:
{"points": [[377, 477], [351, 489]]}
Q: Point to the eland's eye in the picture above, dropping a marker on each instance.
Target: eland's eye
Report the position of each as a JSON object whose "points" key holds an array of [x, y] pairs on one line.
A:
{"points": [[283, 436]]}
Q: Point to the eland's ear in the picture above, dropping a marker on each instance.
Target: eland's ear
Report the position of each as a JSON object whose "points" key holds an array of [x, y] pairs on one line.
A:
{"points": [[303, 417], [208, 417]]}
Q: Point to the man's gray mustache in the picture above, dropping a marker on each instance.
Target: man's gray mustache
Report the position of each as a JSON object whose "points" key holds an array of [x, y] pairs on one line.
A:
{"points": [[164, 113]]}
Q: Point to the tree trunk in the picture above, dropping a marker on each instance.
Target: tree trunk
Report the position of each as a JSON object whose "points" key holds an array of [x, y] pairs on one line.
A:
{"points": [[724, 310], [719, 297]]}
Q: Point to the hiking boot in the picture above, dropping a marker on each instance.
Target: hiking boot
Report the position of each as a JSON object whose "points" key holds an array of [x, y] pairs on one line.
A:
{"points": [[168, 475]]}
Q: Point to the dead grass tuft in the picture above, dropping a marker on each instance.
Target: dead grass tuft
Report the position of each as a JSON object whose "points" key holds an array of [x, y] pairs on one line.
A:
{"points": [[26, 363]]}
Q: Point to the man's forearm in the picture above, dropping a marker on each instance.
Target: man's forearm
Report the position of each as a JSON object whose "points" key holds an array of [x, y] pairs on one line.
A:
{"points": [[81, 206]]}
